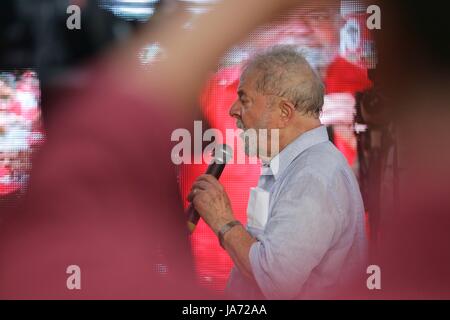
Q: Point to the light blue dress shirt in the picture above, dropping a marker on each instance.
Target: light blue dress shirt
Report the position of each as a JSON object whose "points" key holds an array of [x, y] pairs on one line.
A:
{"points": [[313, 241]]}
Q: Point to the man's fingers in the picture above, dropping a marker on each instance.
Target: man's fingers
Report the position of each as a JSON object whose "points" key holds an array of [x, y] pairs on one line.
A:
{"points": [[198, 185], [204, 182], [191, 196], [193, 193], [210, 179]]}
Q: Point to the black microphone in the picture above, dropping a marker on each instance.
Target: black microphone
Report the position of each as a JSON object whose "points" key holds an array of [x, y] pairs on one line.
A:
{"points": [[222, 154]]}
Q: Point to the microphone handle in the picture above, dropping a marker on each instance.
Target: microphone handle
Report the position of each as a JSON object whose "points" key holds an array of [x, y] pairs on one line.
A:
{"points": [[192, 218], [214, 169]]}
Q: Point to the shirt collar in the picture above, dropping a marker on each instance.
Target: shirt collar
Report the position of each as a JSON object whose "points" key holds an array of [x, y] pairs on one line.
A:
{"points": [[306, 140]]}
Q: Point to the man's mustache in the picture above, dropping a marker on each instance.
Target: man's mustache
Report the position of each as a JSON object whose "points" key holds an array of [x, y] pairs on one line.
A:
{"points": [[240, 125]]}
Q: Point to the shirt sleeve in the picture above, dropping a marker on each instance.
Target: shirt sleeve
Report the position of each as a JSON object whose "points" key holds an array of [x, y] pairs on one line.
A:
{"points": [[300, 231]]}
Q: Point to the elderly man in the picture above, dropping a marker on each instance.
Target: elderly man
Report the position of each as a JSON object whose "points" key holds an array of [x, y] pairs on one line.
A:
{"points": [[314, 27], [305, 233]]}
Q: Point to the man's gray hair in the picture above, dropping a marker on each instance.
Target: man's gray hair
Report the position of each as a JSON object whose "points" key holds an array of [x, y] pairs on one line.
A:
{"points": [[284, 72]]}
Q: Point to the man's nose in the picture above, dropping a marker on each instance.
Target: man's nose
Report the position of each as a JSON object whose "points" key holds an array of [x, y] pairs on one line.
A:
{"points": [[235, 110]]}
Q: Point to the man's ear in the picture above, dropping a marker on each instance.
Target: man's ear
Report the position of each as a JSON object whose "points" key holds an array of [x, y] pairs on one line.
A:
{"points": [[287, 110]]}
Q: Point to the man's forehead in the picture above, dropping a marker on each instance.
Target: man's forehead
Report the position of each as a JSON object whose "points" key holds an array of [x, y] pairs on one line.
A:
{"points": [[246, 81], [241, 87]]}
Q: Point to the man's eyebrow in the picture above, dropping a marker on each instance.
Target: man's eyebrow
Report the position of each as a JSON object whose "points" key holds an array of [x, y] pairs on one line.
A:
{"points": [[241, 93]]}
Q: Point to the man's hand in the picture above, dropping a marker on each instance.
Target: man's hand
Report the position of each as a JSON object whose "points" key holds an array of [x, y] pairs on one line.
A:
{"points": [[211, 202], [213, 205]]}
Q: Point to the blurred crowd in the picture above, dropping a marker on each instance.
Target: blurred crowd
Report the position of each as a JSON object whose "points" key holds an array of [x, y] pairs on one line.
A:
{"points": [[20, 128]]}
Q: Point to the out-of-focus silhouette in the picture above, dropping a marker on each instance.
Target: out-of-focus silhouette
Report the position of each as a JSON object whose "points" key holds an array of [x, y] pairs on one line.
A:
{"points": [[103, 191]]}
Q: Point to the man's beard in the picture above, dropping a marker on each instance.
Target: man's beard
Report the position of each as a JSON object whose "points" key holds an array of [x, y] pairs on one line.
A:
{"points": [[318, 58], [250, 144]]}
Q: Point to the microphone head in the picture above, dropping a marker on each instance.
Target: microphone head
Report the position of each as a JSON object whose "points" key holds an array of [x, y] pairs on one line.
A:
{"points": [[222, 154]]}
